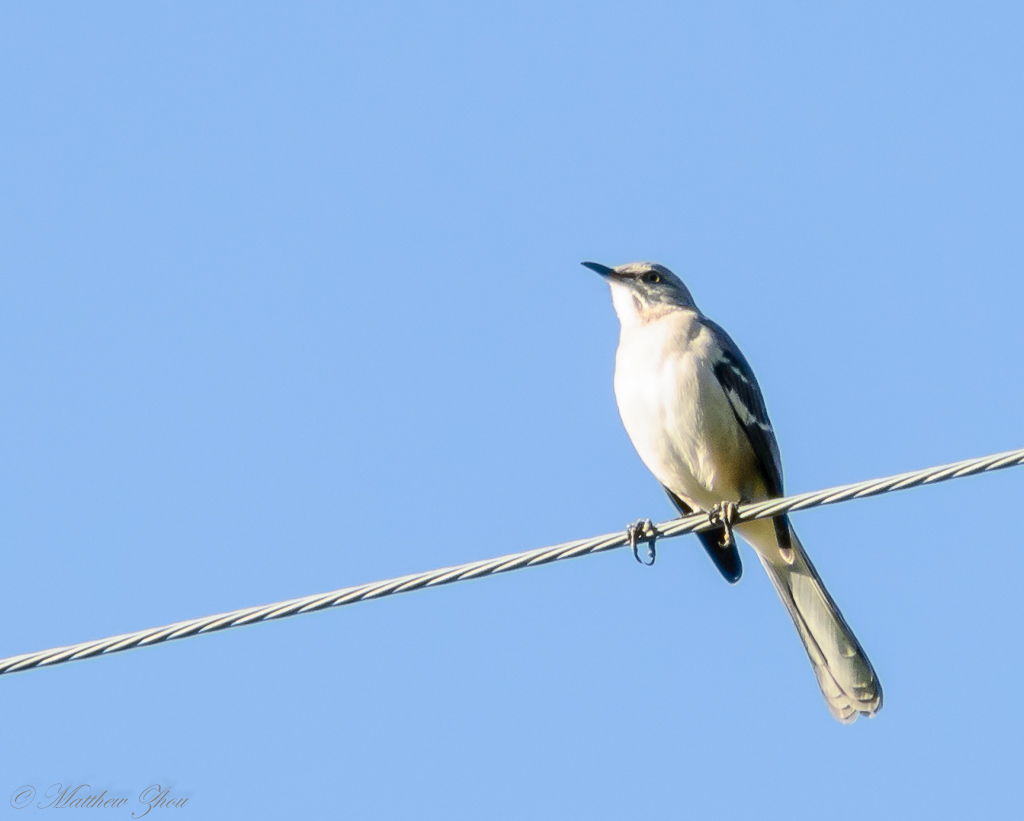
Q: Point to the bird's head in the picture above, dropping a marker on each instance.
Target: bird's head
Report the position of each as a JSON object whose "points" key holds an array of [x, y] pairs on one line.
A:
{"points": [[644, 291]]}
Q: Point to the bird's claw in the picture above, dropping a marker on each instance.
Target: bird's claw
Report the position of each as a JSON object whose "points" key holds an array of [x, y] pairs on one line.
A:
{"points": [[724, 514], [642, 530]]}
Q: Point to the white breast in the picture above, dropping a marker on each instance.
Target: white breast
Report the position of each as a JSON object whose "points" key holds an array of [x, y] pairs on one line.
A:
{"points": [[677, 415]]}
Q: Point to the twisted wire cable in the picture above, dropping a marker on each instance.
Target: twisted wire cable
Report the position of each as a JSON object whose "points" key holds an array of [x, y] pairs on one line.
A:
{"points": [[697, 522]]}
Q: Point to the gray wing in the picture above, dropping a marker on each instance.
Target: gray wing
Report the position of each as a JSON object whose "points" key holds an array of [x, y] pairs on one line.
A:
{"points": [[738, 382]]}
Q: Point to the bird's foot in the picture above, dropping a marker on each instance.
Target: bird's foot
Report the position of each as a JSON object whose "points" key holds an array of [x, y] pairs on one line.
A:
{"points": [[724, 514], [642, 530]]}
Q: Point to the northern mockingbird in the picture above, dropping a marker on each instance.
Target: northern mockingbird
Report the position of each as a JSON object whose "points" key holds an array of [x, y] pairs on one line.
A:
{"points": [[694, 412]]}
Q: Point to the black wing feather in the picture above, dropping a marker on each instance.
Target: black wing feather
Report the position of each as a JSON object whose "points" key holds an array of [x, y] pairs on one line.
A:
{"points": [[737, 379], [726, 559]]}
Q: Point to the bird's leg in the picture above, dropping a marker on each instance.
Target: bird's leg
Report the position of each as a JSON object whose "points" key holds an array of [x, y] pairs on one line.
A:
{"points": [[642, 530], [724, 514]]}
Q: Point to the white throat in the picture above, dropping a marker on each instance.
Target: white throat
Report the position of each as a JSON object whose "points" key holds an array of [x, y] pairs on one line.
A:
{"points": [[634, 312], [627, 306]]}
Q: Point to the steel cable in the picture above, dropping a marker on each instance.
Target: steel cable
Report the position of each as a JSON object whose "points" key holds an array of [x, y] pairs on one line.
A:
{"points": [[503, 564]]}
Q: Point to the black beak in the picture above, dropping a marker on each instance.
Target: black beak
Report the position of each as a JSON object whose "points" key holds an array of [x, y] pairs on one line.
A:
{"points": [[603, 270]]}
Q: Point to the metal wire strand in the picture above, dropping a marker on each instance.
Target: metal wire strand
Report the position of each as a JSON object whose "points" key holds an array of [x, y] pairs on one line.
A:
{"points": [[697, 522]]}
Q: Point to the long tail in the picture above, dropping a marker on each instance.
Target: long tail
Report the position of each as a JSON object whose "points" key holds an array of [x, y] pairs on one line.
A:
{"points": [[845, 675]]}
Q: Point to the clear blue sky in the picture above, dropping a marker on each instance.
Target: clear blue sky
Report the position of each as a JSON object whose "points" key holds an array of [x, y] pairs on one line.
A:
{"points": [[291, 300]]}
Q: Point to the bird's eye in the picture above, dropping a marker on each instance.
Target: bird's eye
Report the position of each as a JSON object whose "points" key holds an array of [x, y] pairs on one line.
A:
{"points": [[652, 277]]}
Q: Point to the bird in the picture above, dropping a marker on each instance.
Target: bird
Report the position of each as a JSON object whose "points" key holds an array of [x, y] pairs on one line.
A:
{"points": [[694, 411]]}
